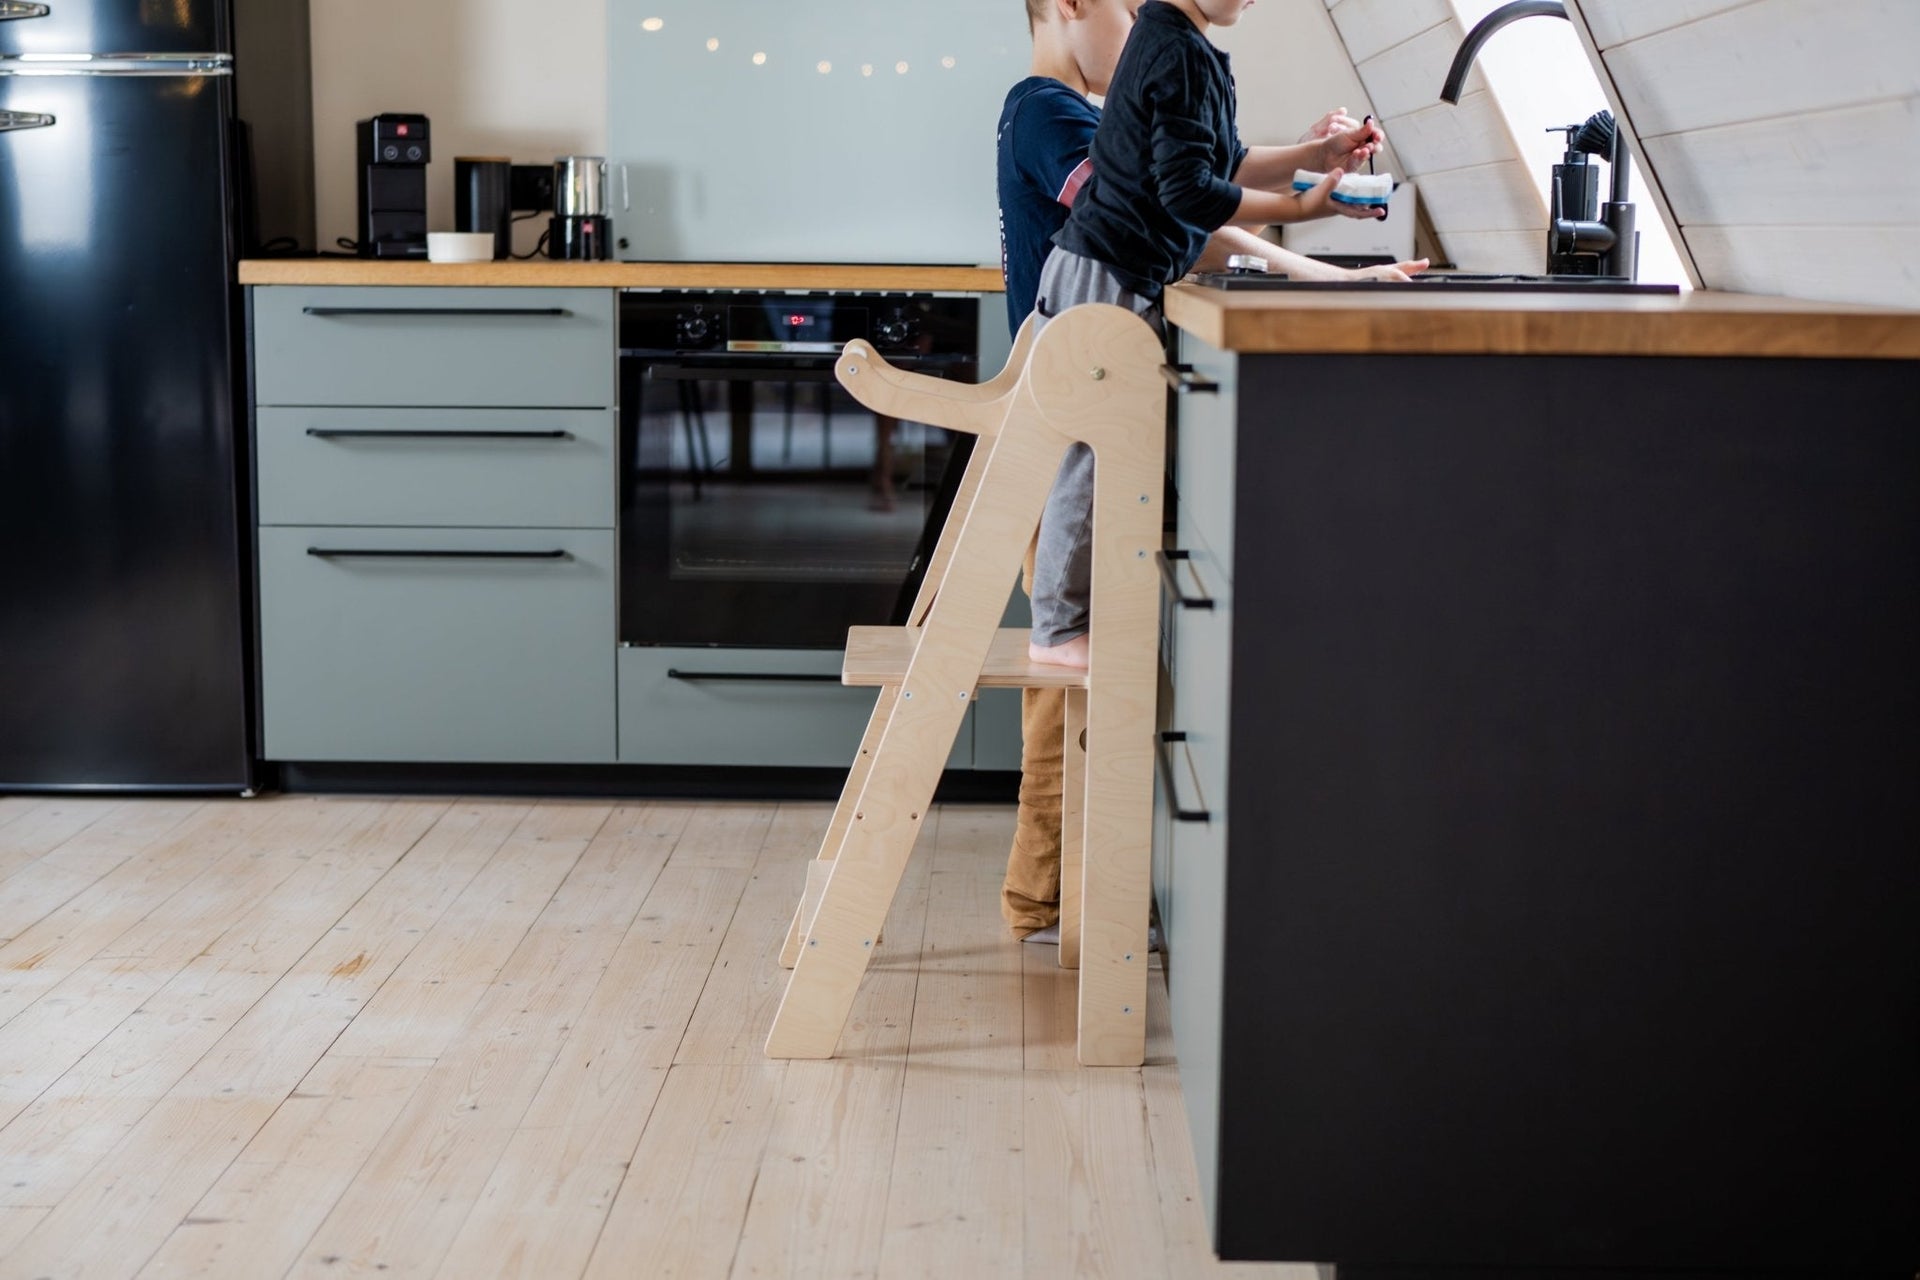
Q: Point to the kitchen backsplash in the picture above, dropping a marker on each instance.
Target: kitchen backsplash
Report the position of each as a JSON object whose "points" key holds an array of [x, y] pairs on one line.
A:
{"points": [[810, 130]]}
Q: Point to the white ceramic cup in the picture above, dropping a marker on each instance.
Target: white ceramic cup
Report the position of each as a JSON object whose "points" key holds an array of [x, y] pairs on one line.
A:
{"points": [[460, 246]]}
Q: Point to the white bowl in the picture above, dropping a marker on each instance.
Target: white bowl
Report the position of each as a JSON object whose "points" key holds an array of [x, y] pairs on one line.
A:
{"points": [[460, 246]]}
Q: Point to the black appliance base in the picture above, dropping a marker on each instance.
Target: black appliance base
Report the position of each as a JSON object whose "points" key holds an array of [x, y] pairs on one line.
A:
{"points": [[156, 790], [637, 781]]}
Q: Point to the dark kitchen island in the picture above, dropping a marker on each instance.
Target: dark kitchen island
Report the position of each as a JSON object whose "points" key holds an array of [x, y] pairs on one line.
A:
{"points": [[1539, 847]]}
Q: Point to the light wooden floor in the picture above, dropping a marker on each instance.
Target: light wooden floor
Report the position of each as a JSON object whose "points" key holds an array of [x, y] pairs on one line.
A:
{"points": [[325, 1037]]}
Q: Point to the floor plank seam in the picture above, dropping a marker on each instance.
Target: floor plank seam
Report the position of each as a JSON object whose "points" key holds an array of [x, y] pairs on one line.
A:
{"points": [[732, 915]]}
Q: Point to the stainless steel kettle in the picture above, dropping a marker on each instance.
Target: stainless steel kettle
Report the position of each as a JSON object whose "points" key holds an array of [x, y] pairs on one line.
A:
{"points": [[580, 186]]}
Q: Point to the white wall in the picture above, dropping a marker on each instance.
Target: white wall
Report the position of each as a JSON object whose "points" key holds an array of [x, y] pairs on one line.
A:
{"points": [[497, 77], [1784, 133], [1289, 68], [1474, 185]]}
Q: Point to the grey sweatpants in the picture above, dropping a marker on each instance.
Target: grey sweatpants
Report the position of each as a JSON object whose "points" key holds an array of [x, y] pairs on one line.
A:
{"points": [[1063, 562]]}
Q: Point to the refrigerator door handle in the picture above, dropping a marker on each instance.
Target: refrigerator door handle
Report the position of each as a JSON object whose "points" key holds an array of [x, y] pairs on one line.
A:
{"points": [[15, 121], [13, 9]]}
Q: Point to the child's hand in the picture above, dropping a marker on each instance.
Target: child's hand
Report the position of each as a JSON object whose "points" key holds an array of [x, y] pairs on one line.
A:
{"points": [[1335, 121], [1348, 150], [1398, 273]]}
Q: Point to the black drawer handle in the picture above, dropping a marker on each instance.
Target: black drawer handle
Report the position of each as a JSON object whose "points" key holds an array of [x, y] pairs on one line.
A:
{"points": [[383, 553], [1163, 755], [1165, 560], [776, 677], [336, 433], [1184, 380], [333, 312]]}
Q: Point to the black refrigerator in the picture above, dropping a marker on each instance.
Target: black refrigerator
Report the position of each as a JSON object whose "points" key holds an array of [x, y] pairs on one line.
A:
{"points": [[126, 198]]}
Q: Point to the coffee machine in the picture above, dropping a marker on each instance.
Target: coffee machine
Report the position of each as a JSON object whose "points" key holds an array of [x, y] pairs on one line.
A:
{"points": [[394, 152], [581, 230]]}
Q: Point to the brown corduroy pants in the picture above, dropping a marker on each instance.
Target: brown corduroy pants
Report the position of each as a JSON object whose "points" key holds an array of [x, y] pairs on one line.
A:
{"points": [[1030, 894]]}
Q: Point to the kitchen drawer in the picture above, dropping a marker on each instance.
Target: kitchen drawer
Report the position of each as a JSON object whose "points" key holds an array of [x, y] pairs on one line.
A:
{"points": [[1201, 577], [479, 468], [1194, 910], [503, 348], [419, 655], [1205, 441], [1202, 673], [733, 707]]}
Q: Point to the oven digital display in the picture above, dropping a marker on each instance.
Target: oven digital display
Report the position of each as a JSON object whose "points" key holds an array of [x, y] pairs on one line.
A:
{"points": [[780, 326]]}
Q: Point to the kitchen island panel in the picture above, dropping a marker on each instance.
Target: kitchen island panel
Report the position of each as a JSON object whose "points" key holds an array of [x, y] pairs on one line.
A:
{"points": [[1569, 870]]}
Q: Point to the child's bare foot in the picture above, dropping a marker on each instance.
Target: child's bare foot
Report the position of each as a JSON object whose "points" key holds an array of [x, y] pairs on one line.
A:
{"points": [[1071, 654]]}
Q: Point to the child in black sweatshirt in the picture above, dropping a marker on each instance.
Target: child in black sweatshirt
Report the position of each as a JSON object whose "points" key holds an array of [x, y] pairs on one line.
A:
{"points": [[1168, 170]]}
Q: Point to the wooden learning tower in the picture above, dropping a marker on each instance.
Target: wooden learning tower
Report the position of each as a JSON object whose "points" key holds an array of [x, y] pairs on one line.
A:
{"points": [[1092, 375]]}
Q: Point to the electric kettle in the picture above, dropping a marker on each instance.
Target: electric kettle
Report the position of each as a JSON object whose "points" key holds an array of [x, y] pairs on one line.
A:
{"points": [[581, 230]]}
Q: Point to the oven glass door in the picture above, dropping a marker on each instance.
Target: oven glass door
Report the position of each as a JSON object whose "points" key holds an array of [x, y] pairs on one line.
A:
{"points": [[763, 507]]}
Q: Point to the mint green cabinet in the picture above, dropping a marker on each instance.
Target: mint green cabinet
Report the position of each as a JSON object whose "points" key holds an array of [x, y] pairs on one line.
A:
{"points": [[770, 707], [1190, 853], [521, 348], [477, 468], [422, 645], [435, 473]]}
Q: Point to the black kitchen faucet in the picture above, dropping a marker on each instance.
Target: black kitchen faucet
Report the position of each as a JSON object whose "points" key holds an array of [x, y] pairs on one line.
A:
{"points": [[1579, 243]]}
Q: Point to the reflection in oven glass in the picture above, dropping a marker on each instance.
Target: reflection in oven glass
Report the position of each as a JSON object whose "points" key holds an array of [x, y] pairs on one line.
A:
{"points": [[812, 493], [767, 507]]}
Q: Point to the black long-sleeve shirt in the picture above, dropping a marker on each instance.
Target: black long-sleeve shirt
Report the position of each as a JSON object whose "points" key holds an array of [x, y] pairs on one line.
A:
{"points": [[1163, 156]]}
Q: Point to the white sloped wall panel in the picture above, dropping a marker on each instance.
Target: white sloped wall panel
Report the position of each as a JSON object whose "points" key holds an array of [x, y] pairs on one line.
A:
{"points": [[1783, 135]]}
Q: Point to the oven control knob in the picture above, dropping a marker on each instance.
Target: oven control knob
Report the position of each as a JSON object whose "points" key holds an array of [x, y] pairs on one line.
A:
{"points": [[894, 331], [693, 329]]}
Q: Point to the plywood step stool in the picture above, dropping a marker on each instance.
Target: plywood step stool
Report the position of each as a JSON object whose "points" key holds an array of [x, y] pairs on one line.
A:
{"points": [[1092, 375]]}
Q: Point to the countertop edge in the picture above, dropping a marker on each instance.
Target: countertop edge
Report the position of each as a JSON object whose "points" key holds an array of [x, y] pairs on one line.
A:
{"points": [[1697, 325], [621, 275]]}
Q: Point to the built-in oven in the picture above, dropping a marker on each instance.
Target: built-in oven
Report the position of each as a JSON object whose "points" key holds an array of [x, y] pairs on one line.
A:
{"points": [[760, 505]]}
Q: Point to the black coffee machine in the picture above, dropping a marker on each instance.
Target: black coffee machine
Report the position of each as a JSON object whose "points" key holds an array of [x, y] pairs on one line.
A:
{"points": [[394, 152]]}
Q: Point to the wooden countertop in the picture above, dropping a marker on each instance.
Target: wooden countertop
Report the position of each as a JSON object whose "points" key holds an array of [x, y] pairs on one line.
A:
{"points": [[1403, 321], [542, 273]]}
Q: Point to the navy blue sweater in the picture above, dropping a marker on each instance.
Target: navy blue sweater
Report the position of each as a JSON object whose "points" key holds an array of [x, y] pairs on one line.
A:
{"points": [[1163, 156]]}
